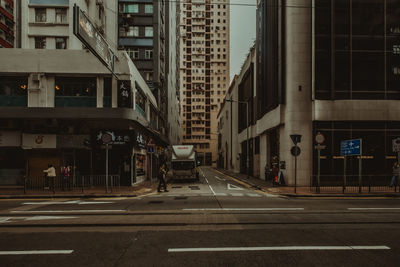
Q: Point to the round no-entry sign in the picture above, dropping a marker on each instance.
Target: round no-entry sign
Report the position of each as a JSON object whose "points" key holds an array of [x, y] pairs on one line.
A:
{"points": [[319, 138], [295, 151]]}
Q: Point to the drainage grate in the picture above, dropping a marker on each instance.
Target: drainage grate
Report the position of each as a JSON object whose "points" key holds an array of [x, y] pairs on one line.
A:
{"points": [[180, 198], [194, 187], [156, 202]]}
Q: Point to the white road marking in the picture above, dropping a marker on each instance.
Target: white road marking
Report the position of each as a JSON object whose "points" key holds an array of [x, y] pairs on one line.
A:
{"points": [[246, 209], [67, 202], [212, 190], [219, 178], [253, 195], [34, 218], [278, 248], [35, 252], [4, 219], [373, 208], [237, 194], [234, 187], [63, 211], [221, 194]]}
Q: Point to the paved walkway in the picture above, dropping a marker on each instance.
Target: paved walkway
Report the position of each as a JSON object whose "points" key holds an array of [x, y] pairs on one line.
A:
{"points": [[311, 192]]}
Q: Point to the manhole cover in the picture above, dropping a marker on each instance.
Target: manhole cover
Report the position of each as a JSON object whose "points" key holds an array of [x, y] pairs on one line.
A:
{"points": [[156, 202], [194, 187], [180, 198]]}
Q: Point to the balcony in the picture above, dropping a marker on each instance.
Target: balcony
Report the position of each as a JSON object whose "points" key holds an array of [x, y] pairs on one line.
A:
{"points": [[13, 101], [75, 101]]}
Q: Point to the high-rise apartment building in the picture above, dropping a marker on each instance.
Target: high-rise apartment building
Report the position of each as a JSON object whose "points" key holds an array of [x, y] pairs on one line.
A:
{"points": [[204, 72], [6, 23]]}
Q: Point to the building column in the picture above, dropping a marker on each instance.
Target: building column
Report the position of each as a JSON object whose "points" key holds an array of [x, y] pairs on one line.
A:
{"points": [[114, 93], [100, 92], [298, 108], [263, 155]]}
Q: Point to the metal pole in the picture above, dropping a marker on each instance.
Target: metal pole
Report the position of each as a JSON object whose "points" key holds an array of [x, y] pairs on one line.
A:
{"points": [[151, 168], [344, 173], [319, 170], [360, 169], [295, 170], [106, 168], [248, 143], [231, 160]]}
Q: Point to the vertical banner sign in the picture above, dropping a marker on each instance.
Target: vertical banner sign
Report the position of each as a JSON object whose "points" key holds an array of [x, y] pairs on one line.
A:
{"points": [[124, 94], [87, 33]]}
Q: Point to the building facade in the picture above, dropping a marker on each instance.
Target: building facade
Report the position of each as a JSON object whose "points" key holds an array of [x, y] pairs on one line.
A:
{"points": [[204, 62], [57, 100], [330, 69], [7, 23]]}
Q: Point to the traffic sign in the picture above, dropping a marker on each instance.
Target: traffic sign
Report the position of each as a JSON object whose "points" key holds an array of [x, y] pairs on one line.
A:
{"points": [[319, 138], [396, 144], [296, 138], [295, 151], [350, 147], [150, 149]]}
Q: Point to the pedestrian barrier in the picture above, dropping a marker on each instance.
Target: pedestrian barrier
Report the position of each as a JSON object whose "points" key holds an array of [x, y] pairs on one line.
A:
{"points": [[353, 184], [59, 183]]}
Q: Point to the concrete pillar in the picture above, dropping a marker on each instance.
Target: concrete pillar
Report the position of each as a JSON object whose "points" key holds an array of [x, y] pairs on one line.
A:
{"points": [[100, 92], [298, 109], [114, 93], [263, 155]]}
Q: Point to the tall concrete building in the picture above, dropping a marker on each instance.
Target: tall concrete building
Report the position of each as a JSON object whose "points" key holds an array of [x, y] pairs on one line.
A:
{"points": [[204, 62], [7, 23]]}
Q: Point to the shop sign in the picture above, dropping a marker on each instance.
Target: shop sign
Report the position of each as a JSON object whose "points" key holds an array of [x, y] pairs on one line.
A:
{"points": [[140, 140], [113, 138], [39, 141], [124, 94], [10, 139]]}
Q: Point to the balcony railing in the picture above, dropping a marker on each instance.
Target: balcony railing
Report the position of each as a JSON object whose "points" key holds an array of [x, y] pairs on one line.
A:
{"points": [[13, 101], [75, 101]]}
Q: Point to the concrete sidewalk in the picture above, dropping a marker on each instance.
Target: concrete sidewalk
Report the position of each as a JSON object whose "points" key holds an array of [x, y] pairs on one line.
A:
{"points": [[306, 191]]}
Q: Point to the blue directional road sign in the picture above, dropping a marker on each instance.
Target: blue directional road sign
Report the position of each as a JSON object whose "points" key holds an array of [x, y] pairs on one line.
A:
{"points": [[150, 149], [350, 147]]}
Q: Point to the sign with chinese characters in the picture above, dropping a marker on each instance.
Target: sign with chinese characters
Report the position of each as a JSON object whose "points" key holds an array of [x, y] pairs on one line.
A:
{"points": [[124, 94], [140, 140], [39, 141], [89, 35], [113, 138]]}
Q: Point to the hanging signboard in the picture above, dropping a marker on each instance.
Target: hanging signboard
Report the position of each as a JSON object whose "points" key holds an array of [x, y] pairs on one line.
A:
{"points": [[124, 94], [88, 34]]}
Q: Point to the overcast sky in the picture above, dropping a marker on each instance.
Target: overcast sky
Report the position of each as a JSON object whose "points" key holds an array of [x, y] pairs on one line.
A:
{"points": [[243, 32]]}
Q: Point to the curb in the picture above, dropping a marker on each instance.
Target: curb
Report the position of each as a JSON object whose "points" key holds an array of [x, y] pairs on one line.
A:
{"points": [[67, 196]]}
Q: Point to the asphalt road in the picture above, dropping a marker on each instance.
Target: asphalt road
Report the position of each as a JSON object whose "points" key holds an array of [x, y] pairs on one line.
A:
{"points": [[218, 221]]}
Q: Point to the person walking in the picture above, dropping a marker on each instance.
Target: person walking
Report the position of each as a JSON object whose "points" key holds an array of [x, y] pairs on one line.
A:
{"points": [[50, 176], [396, 172], [161, 177], [66, 173]]}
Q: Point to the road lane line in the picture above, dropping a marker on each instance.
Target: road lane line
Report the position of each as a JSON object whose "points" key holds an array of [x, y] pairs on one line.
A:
{"points": [[285, 248], [212, 190], [219, 178], [79, 202], [234, 187], [373, 208], [63, 211], [35, 252], [245, 209]]}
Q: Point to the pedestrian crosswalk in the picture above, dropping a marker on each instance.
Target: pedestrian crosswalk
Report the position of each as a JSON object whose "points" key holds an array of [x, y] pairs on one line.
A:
{"points": [[252, 195]]}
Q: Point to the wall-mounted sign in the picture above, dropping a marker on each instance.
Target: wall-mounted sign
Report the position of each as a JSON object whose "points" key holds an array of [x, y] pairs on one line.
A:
{"points": [[39, 141], [10, 139], [113, 138], [124, 94], [86, 31], [140, 140]]}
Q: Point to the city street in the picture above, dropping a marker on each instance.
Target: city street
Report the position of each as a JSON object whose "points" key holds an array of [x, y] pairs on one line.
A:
{"points": [[216, 221]]}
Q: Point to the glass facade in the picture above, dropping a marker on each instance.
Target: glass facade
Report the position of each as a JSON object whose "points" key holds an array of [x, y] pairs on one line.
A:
{"points": [[13, 91], [75, 92], [356, 49]]}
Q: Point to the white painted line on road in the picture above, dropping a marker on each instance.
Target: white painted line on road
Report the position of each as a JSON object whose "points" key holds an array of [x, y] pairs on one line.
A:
{"points": [[237, 194], [219, 178], [246, 209], [206, 180], [254, 195], [221, 194], [234, 187], [286, 248], [212, 190], [66, 202], [35, 252], [63, 211], [38, 218], [373, 208]]}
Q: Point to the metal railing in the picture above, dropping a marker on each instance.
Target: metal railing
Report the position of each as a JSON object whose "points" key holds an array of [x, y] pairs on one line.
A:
{"points": [[352, 184], [59, 183]]}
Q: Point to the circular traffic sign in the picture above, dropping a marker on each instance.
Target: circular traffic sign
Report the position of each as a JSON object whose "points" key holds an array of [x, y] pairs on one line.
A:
{"points": [[295, 150], [319, 138], [106, 138]]}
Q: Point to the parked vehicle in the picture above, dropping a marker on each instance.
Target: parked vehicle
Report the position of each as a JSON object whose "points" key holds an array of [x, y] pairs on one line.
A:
{"points": [[183, 162]]}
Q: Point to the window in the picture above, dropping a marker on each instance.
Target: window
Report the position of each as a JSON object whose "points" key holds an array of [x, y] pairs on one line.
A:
{"points": [[40, 42], [148, 31], [61, 43], [129, 8], [133, 53], [148, 54], [148, 76], [148, 9], [61, 15], [133, 31], [40, 15], [140, 100]]}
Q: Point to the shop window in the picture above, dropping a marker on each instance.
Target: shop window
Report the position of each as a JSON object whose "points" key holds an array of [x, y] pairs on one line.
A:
{"points": [[13, 91], [75, 92]]}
